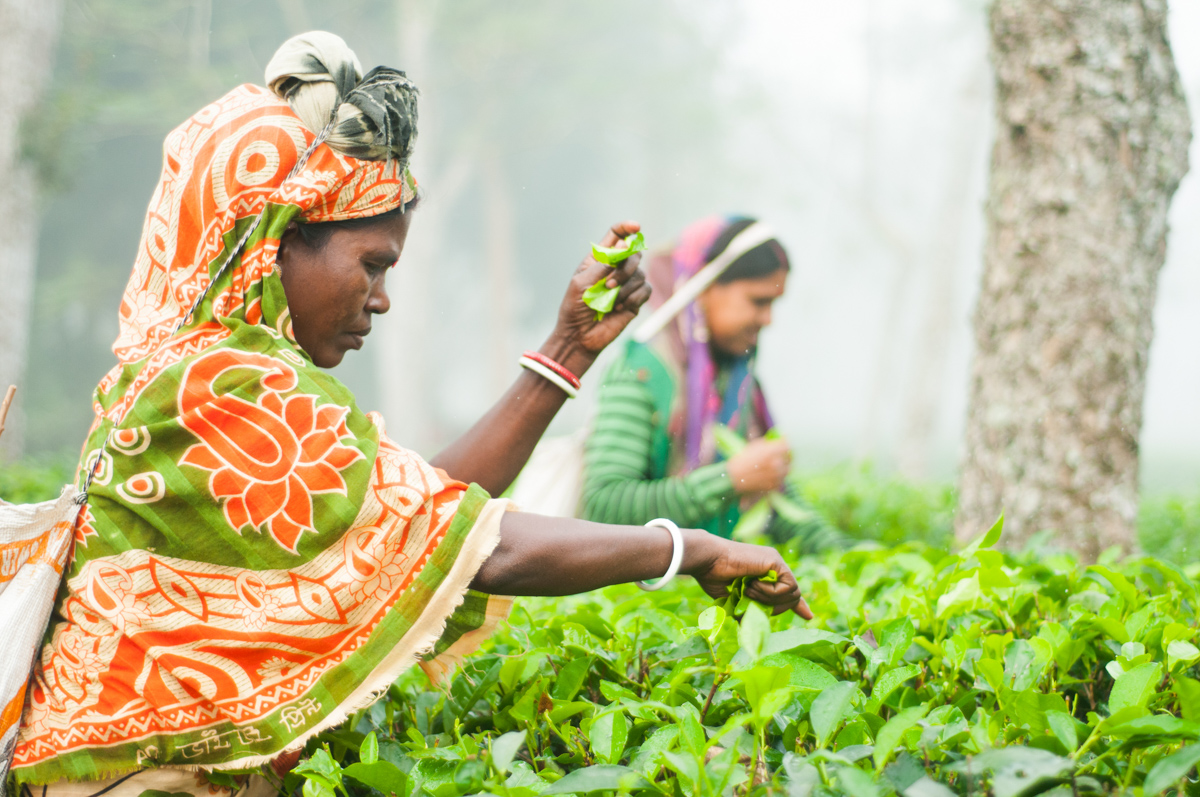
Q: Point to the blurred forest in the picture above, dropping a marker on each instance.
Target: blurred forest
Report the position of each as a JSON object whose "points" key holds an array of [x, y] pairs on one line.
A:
{"points": [[859, 130]]}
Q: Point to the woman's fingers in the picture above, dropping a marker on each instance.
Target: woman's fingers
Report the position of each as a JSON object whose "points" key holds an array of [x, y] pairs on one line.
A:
{"points": [[619, 232], [634, 301], [625, 271], [631, 283], [590, 271], [783, 594]]}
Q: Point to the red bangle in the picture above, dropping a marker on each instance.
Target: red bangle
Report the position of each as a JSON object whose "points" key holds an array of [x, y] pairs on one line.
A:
{"points": [[537, 356]]}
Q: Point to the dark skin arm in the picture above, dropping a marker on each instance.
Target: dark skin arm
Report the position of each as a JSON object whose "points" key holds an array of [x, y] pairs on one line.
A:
{"points": [[493, 451], [533, 558]]}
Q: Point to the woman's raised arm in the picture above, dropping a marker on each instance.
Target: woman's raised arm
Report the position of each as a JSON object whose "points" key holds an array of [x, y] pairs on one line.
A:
{"points": [[492, 452]]}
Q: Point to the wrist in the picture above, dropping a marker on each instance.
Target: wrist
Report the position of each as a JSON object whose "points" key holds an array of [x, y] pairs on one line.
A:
{"points": [[699, 551], [571, 356]]}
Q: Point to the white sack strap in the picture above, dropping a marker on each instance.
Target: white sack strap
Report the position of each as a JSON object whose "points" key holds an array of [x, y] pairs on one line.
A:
{"points": [[754, 235]]}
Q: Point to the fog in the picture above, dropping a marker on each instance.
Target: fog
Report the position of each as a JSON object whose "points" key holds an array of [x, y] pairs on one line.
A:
{"points": [[859, 130]]}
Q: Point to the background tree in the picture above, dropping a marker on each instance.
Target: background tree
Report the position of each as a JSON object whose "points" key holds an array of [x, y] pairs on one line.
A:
{"points": [[1092, 131], [28, 32]]}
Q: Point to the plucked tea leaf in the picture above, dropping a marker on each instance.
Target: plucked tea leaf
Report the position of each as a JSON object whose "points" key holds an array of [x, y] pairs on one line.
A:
{"points": [[601, 298], [611, 255]]}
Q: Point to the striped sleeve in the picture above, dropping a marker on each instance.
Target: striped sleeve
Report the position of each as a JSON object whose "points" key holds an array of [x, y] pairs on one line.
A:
{"points": [[618, 485]]}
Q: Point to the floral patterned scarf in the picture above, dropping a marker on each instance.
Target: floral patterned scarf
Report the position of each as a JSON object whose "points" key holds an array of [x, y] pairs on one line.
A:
{"points": [[256, 560]]}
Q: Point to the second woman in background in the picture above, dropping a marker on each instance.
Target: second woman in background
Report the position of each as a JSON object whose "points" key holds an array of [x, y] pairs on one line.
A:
{"points": [[653, 451]]}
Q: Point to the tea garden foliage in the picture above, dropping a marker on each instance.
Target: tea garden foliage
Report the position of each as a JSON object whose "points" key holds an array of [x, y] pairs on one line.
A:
{"points": [[926, 673]]}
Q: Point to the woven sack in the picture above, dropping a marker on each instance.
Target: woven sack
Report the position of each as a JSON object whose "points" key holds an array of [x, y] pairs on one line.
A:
{"points": [[35, 541]]}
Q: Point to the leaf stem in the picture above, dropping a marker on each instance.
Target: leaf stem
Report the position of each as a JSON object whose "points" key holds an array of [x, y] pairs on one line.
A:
{"points": [[717, 681]]}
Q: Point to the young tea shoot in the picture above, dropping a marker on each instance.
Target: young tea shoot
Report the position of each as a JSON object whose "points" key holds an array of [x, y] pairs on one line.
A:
{"points": [[600, 297]]}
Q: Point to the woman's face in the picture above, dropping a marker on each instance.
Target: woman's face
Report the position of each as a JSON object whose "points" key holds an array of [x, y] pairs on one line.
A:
{"points": [[737, 311], [333, 289]]}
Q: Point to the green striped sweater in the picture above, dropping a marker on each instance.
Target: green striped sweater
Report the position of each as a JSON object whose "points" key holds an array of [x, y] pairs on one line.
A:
{"points": [[626, 460]]}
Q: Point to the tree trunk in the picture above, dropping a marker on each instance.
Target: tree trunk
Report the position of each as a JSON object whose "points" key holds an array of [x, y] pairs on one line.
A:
{"points": [[1091, 142], [28, 35]]}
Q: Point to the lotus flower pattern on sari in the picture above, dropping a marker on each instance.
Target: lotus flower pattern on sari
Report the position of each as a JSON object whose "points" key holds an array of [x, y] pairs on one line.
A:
{"points": [[267, 458]]}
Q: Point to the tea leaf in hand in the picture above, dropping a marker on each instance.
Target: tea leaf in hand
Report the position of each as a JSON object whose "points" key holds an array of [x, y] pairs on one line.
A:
{"points": [[611, 255], [601, 298]]}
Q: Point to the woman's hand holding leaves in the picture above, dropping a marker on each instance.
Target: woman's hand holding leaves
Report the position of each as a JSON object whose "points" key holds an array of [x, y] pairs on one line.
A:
{"points": [[723, 566], [581, 328]]}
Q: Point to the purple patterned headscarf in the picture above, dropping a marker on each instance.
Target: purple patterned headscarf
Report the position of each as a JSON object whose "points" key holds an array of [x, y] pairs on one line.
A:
{"points": [[703, 403]]}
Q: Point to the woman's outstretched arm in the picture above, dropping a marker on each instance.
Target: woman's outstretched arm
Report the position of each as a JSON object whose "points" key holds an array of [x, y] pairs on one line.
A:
{"points": [[493, 451], [555, 556]]}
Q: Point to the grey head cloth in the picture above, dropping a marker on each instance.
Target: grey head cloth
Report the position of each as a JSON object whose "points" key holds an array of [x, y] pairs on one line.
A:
{"points": [[370, 118]]}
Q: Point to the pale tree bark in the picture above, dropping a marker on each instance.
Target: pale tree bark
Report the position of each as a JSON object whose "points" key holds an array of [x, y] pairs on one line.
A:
{"points": [[28, 35], [1091, 143]]}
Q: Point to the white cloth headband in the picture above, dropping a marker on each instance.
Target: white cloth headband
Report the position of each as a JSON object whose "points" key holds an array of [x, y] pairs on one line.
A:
{"points": [[754, 235]]}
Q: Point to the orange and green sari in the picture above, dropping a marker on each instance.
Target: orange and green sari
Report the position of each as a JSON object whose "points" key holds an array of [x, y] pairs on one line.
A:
{"points": [[257, 559]]}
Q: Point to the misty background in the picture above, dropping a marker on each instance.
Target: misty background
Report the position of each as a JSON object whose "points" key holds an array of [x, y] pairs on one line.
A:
{"points": [[859, 130]]}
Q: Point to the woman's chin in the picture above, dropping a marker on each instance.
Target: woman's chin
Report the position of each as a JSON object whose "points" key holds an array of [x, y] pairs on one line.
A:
{"points": [[329, 358]]}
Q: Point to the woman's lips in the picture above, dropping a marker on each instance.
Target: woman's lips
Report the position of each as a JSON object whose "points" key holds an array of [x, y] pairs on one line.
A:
{"points": [[356, 338]]}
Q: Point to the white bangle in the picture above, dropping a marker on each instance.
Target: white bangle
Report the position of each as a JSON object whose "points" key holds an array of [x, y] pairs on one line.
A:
{"points": [[550, 376], [676, 554]]}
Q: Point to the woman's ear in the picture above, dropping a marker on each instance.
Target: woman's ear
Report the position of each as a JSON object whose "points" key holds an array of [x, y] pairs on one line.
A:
{"points": [[290, 238]]}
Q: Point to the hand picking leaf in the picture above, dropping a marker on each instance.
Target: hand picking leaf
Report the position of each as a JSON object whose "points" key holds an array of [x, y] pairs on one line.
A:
{"points": [[599, 297], [611, 255], [734, 604]]}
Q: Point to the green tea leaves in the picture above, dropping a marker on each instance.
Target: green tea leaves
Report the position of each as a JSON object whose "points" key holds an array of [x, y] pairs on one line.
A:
{"points": [[1171, 769], [1134, 688], [617, 254], [601, 298], [927, 673], [504, 749]]}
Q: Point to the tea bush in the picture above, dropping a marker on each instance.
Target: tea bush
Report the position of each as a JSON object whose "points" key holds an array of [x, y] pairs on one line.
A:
{"points": [[926, 673]]}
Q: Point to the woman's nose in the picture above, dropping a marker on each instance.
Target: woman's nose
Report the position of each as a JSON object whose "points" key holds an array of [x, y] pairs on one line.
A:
{"points": [[378, 302]]}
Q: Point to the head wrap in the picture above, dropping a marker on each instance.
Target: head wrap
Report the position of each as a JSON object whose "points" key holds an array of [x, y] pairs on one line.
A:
{"points": [[233, 162], [373, 118], [684, 337], [256, 559]]}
